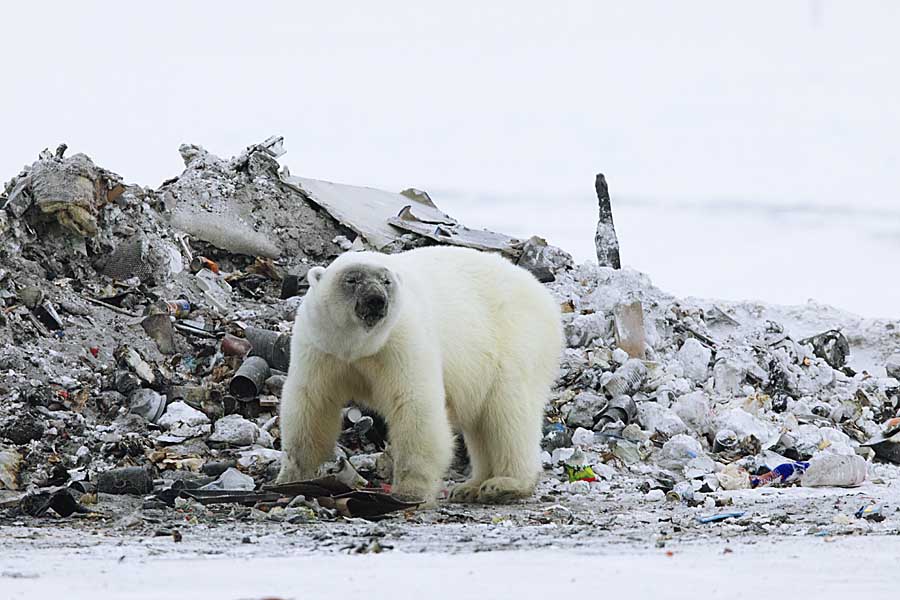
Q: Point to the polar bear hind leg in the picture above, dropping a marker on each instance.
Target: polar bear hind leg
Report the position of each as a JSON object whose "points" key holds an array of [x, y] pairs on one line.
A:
{"points": [[480, 461]]}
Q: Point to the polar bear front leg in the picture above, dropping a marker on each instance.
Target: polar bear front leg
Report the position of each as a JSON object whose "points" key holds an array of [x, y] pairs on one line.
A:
{"points": [[421, 445], [410, 395], [310, 426]]}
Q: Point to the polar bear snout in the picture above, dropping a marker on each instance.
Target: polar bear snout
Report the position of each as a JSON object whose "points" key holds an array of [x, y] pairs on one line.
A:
{"points": [[372, 307]]}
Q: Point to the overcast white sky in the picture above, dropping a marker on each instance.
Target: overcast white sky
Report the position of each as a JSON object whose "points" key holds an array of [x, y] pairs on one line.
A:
{"points": [[787, 102]]}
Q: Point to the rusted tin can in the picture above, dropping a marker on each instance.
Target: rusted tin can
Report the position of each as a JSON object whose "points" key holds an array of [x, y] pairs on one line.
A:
{"points": [[198, 263]]}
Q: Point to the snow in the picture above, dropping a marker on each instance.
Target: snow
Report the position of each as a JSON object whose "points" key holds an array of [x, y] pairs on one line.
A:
{"points": [[772, 567]]}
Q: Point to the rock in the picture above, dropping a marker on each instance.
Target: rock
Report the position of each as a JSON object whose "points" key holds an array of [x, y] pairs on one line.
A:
{"points": [[678, 452], [583, 408], [543, 260], [584, 330], [10, 463], [619, 356], [22, 428], [892, 365], [130, 357], [232, 479], [181, 413], [275, 384], [365, 462], [655, 495], [31, 296], [126, 381], [694, 357], [265, 439], [234, 430], [583, 437], [744, 425], [694, 410], [181, 422], [728, 377], [654, 417]]}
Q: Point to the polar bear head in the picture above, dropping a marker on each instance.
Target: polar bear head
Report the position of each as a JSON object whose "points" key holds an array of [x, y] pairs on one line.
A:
{"points": [[352, 306]]}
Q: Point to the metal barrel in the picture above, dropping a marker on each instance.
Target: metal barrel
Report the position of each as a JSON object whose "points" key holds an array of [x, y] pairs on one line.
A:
{"points": [[272, 346], [250, 378], [235, 346], [125, 480]]}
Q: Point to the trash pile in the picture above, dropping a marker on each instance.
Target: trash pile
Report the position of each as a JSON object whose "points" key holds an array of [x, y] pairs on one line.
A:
{"points": [[145, 338], [697, 397], [144, 333]]}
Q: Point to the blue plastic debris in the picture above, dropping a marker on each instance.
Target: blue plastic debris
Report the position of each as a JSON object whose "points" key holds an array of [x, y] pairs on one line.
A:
{"points": [[719, 517]]}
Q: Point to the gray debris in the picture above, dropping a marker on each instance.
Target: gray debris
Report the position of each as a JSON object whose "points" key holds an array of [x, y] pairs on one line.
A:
{"points": [[695, 357], [627, 379], [543, 260], [365, 210], [125, 480], [583, 409], [10, 462], [629, 328], [234, 430], [181, 422], [231, 479], [605, 240], [892, 366], [73, 190], [832, 346], [147, 403], [654, 391]]}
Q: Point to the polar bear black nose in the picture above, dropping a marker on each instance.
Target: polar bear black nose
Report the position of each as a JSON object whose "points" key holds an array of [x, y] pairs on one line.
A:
{"points": [[371, 308], [376, 303]]}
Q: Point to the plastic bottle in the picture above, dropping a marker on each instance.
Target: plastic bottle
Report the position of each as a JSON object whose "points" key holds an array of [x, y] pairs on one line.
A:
{"points": [[838, 470], [627, 379]]}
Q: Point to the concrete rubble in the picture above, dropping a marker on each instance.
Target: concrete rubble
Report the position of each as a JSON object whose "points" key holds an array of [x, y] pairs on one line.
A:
{"points": [[144, 335]]}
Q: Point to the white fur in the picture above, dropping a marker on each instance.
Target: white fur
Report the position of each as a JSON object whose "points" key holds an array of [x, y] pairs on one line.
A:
{"points": [[470, 341]]}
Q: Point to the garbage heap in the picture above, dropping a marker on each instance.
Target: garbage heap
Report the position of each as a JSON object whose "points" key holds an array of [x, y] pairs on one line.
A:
{"points": [[144, 332], [144, 340], [699, 396]]}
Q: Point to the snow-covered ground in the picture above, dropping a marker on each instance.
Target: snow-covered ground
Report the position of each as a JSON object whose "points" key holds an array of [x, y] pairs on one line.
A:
{"points": [[799, 567]]}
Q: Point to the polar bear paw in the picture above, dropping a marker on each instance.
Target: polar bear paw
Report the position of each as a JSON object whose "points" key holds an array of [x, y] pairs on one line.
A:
{"points": [[503, 490], [465, 492]]}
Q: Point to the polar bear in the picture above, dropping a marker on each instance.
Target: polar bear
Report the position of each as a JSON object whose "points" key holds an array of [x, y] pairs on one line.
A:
{"points": [[433, 339]]}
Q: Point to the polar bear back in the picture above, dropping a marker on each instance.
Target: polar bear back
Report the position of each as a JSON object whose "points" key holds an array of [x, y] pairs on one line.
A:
{"points": [[493, 321]]}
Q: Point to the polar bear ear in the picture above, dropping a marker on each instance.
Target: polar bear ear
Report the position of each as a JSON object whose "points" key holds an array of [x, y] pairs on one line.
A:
{"points": [[315, 275]]}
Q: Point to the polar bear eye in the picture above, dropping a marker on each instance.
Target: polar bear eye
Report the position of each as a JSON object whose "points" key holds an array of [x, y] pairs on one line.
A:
{"points": [[387, 281]]}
